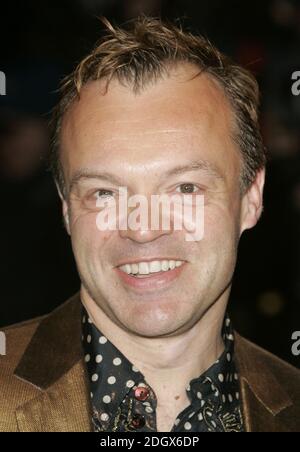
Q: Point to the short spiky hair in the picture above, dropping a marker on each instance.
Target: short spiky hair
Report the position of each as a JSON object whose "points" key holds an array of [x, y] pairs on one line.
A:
{"points": [[142, 51]]}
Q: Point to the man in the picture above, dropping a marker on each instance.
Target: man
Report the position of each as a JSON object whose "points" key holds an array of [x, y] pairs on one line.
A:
{"points": [[147, 345]]}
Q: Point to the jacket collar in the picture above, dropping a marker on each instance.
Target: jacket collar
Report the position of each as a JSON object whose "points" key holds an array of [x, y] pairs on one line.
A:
{"points": [[55, 351], [55, 347], [53, 363], [263, 397]]}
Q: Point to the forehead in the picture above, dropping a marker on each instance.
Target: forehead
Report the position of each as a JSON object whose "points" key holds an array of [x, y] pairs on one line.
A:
{"points": [[176, 115]]}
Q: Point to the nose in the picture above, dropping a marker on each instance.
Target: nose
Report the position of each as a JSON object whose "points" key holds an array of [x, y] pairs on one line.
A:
{"points": [[144, 229], [142, 235]]}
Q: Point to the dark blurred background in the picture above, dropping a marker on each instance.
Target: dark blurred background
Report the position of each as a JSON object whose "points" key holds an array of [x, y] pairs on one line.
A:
{"points": [[40, 43]]}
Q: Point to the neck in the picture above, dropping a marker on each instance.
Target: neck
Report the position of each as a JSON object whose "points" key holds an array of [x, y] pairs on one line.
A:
{"points": [[168, 362]]}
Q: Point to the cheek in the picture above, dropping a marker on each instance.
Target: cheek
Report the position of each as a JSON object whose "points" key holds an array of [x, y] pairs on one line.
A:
{"points": [[221, 235], [86, 237], [221, 220]]}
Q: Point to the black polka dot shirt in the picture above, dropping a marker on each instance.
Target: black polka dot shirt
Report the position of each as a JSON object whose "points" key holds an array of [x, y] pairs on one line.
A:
{"points": [[122, 400]]}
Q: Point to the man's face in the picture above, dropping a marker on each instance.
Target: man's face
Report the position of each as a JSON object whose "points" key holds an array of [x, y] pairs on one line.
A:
{"points": [[139, 141]]}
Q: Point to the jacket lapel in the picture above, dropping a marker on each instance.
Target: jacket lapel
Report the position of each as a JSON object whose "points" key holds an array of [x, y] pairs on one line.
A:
{"points": [[53, 364], [64, 407], [263, 398]]}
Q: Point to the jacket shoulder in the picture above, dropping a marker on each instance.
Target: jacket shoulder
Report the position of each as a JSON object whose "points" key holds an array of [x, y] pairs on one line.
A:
{"points": [[14, 392], [258, 358]]}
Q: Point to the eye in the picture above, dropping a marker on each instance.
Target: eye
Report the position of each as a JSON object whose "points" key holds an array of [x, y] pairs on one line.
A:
{"points": [[104, 193], [187, 188]]}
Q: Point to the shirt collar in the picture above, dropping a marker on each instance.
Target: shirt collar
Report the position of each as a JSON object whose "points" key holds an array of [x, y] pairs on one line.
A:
{"points": [[220, 381], [106, 365]]}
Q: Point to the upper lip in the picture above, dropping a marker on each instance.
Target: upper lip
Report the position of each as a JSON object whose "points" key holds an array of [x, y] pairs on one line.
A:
{"points": [[135, 261]]}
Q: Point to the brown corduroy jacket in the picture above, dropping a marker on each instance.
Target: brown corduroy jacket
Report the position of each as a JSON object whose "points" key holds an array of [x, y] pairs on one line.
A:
{"points": [[44, 387]]}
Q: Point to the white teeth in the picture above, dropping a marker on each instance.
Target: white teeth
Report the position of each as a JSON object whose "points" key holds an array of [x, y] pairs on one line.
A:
{"points": [[165, 266], [144, 268], [127, 268], [155, 267], [172, 264], [134, 268]]}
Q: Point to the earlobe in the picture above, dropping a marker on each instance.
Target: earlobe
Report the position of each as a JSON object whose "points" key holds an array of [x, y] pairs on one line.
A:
{"points": [[252, 203]]}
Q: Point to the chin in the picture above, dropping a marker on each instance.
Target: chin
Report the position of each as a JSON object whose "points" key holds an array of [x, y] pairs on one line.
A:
{"points": [[153, 327], [155, 332]]}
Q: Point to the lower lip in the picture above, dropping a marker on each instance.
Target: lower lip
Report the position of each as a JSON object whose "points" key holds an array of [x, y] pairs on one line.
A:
{"points": [[156, 281]]}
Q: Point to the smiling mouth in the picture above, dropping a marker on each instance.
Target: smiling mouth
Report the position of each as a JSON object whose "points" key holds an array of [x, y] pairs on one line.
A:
{"points": [[147, 269]]}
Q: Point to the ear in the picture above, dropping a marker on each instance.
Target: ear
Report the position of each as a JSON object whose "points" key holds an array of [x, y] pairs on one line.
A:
{"points": [[65, 209], [252, 202]]}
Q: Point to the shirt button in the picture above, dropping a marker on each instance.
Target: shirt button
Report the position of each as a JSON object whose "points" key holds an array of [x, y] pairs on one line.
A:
{"points": [[138, 422], [141, 394]]}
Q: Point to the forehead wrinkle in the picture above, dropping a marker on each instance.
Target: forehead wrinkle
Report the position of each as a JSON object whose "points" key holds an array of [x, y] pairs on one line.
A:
{"points": [[154, 131]]}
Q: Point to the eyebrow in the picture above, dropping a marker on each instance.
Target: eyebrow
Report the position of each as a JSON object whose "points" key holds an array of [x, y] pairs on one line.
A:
{"points": [[88, 174], [199, 165]]}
